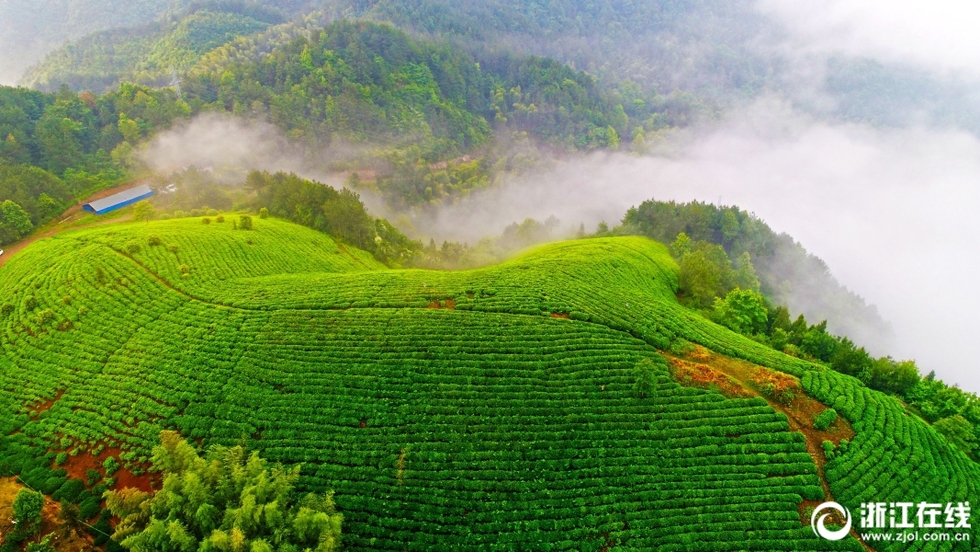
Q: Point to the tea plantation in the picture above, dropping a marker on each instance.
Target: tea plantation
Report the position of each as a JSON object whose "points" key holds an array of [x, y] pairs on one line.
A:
{"points": [[491, 409]]}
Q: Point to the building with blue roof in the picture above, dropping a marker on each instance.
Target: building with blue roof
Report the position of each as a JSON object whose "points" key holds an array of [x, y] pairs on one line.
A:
{"points": [[118, 201]]}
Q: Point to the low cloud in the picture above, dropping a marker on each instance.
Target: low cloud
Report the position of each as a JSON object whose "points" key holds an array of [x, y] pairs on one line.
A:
{"points": [[936, 36], [892, 211]]}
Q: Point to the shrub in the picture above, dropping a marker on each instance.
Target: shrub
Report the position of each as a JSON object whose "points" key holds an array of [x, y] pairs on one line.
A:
{"points": [[43, 546], [6, 310], [212, 212], [43, 317], [196, 212], [172, 248], [646, 378], [245, 222], [133, 248], [30, 302], [828, 450], [82, 311], [92, 477], [263, 213], [179, 214], [69, 491], [165, 216], [824, 419], [61, 458], [154, 241], [89, 508], [184, 268], [27, 511], [206, 220], [110, 465], [221, 218]]}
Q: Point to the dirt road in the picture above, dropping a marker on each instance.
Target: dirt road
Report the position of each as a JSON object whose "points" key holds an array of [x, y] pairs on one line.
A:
{"points": [[69, 215]]}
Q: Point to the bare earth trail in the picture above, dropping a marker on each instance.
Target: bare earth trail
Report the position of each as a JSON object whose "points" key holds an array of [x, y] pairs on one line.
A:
{"points": [[66, 217], [800, 414]]}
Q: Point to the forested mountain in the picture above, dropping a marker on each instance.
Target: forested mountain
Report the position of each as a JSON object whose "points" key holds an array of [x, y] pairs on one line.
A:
{"points": [[147, 54], [29, 29]]}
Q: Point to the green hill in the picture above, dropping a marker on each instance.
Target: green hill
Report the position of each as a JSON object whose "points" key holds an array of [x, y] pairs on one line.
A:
{"points": [[145, 54], [493, 408]]}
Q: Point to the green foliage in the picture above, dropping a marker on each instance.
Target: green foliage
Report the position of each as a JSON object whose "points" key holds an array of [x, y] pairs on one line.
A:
{"points": [[111, 464], [646, 376], [44, 545], [782, 267], [706, 273], [271, 343], [15, 223], [889, 444], [891, 376], [825, 419], [27, 512], [244, 222], [263, 213], [227, 500], [340, 214], [959, 432], [144, 211], [743, 311]]}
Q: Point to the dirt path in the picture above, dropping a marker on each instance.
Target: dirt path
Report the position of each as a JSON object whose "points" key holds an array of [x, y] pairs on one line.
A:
{"points": [[71, 214]]}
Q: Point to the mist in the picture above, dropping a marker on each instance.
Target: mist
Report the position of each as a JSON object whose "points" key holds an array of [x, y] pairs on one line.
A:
{"points": [[890, 210]]}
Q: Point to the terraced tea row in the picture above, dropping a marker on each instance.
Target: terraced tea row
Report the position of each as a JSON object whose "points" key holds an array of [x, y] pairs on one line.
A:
{"points": [[894, 457], [484, 424]]}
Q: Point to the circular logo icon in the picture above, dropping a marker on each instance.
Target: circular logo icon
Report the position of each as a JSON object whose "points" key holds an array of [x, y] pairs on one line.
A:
{"points": [[821, 530]]}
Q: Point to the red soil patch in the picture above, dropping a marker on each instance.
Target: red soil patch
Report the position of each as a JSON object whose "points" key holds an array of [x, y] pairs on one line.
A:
{"points": [[78, 465], [562, 315], [785, 395], [701, 375], [44, 405], [448, 304]]}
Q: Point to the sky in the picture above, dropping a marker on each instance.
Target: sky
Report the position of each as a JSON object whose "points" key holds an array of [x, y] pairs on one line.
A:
{"points": [[939, 35]]}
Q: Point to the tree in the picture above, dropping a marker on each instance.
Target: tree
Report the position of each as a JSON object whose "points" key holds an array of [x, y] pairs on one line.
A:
{"points": [[745, 275], [680, 246], [700, 279], [16, 218], [245, 222], [894, 377], [227, 501], [646, 378], [958, 431], [853, 361], [144, 211], [27, 512], [742, 310]]}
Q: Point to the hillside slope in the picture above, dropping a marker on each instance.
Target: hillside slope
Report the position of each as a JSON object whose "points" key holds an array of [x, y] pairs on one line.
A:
{"points": [[447, 409]]}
